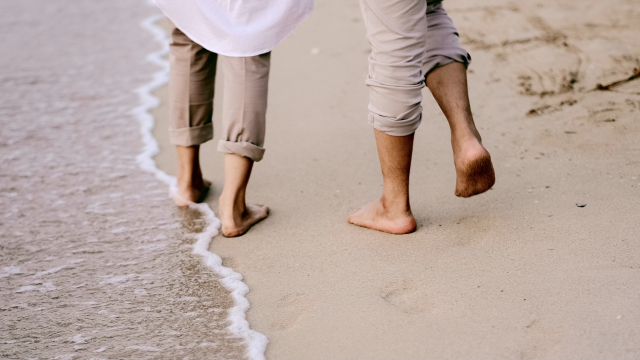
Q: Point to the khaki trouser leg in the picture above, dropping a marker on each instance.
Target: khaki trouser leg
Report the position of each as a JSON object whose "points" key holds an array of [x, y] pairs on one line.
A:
{"points": [[443, 43], [191, 86], [191, 91], [246, 81], [396, 30], [408, 38]]}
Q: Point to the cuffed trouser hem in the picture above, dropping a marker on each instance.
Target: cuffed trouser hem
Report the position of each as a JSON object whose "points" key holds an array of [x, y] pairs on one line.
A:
{"points": [[245, 149], [192, 135], [445, 57], [405, 124]]}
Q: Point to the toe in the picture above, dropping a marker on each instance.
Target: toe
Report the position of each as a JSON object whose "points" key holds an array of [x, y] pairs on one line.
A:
{"points": [[356, 217], [263, 213], [353, 220]]}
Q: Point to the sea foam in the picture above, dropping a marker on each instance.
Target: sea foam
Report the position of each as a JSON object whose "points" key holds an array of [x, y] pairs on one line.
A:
{"points": [[255, 341]]}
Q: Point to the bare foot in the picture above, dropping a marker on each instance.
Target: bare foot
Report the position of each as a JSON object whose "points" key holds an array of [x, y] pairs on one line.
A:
{"points": [[194, 191], [236, 220], [474, 169], [375, 216]]}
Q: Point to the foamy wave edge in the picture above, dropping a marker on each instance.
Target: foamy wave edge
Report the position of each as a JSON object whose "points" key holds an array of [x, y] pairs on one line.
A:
{"points": [[255, 341]]}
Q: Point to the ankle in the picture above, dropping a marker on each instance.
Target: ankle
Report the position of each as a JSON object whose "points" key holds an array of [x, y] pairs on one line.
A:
{"points": [[464, 134], [395, 204], [463, 128], [232, 203], [189, 173], [190, 181]]}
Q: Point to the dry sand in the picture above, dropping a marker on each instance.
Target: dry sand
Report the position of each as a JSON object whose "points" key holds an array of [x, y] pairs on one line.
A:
{"points": [[519, 272]]}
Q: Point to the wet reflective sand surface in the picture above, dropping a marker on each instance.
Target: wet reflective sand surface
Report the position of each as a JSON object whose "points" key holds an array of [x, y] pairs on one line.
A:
{"points": [[95, 260]]}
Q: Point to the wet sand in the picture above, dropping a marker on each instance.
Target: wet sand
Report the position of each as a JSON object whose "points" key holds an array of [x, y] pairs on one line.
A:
{"points": [[95, 260], [519, 272]]}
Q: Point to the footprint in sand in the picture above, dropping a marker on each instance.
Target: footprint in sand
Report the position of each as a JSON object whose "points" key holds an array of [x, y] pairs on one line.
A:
{"points": [[542, 58], [539, 59], [193, 221], [290, 308], [408, 296]]}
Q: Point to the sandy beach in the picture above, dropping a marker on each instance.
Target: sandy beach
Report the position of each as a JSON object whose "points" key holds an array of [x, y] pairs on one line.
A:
{"points": [[96, 261], [518, 272]]}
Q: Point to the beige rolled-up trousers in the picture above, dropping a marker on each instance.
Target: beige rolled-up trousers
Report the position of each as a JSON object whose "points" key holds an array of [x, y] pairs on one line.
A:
{"points": [[409, 39], [191, 90]]}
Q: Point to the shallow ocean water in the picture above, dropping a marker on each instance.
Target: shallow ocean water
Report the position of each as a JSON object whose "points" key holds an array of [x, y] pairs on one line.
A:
{"points": [[95, 261]]}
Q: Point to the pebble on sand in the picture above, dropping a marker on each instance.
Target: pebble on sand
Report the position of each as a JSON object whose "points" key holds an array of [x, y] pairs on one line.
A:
{"points": [[580, 205]]}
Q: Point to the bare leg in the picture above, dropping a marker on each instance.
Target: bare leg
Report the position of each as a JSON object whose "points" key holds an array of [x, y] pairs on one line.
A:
{"points": [[474, 169], [236, 216], [191, 186], [392, 213]]}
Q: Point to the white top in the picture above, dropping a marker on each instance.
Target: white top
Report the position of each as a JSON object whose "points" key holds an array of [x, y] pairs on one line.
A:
{"points": [[236, 27]]}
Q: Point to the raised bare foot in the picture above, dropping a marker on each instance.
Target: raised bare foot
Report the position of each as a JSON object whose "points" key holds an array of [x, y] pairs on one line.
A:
{"points": [[192, 192], [474, 169], [375, 216], [237, 217]]}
